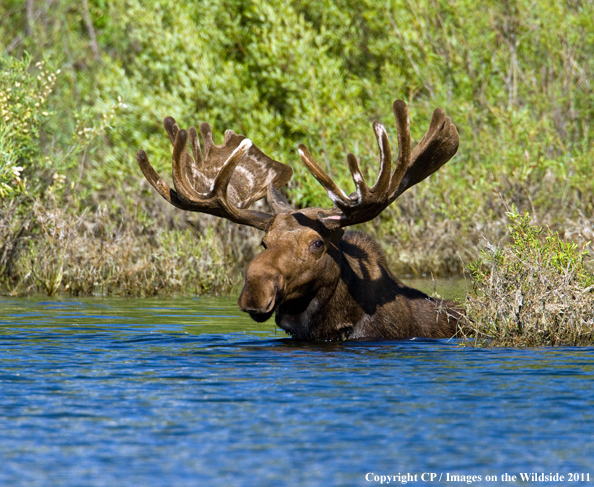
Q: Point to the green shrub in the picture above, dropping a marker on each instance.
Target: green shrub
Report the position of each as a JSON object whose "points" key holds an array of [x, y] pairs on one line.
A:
{"points": [[23, 105], [515, 76], [535, 290]]}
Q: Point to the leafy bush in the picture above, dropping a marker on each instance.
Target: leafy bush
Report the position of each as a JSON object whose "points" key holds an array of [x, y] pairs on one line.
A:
{"points": [[23, 105], [536, 290], [515, 76]]}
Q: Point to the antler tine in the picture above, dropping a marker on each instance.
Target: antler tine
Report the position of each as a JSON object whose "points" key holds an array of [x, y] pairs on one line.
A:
{"points": [[196, 151], [383, 180], [403, 133], [334, 192], [171, 128], [180, 168], [360, 184], [191, 164], [206, 133], [437, 146], [158, 182], [186, 196]]}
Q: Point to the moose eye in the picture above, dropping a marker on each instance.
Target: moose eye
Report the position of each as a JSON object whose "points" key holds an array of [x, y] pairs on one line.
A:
{"points": [[317, 244]]}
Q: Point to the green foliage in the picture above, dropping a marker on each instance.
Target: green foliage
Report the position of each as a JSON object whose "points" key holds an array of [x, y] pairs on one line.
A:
{"points": [[10, 171], [515, 76], [23, 101], [533, 249], [535, 290]]}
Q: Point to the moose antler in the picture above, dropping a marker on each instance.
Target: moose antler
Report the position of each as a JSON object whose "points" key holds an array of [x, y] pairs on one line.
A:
{"points": [[438, 146], [224, 181]]}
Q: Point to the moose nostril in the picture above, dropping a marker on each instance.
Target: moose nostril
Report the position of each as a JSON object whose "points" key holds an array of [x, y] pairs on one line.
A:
{"points": [[251, 307], [255, 298]]}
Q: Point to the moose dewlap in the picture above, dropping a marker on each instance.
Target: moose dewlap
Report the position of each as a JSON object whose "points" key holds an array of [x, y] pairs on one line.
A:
{"points": [[320, 282]]}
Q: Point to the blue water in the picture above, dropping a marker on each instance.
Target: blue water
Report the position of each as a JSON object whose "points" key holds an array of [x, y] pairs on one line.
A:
{"points": [[188, 392]]}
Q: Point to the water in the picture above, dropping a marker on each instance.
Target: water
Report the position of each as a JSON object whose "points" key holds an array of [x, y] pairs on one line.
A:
{"points": [[189, 392]]}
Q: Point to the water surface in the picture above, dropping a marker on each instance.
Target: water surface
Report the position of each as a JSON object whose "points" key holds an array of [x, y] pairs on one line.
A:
{"points": [[188, 392]]}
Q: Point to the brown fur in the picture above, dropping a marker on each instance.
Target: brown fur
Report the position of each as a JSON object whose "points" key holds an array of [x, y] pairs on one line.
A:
{"points": [[342, 291], [321, 285]]}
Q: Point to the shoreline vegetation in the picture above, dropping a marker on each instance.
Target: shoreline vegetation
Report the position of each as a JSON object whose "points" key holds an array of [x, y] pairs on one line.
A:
{"points": [[83, 86], [535, 290]]}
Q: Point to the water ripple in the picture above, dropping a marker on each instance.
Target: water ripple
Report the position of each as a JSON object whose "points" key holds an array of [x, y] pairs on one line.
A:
{"points": [[189, 392]]}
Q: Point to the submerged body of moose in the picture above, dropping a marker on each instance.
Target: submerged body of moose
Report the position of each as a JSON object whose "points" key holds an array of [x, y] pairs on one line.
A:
{"points": [[320, 282]]}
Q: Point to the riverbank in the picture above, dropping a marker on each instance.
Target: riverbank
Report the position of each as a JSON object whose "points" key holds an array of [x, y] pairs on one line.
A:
{"points": [[53, 245], [417, 240]]}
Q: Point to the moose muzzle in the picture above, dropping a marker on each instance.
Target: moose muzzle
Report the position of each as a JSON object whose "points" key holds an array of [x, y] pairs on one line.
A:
{"points": [[262, 289]]}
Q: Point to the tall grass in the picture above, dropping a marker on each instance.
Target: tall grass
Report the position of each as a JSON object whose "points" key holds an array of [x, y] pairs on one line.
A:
{"points": [[90, 253]]}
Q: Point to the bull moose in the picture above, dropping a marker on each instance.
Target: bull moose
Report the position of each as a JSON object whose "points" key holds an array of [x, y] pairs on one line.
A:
{"points": [[322, 283]]}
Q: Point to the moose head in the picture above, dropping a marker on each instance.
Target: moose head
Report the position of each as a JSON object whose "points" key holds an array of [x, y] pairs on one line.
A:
{"points": [[321, 282]]}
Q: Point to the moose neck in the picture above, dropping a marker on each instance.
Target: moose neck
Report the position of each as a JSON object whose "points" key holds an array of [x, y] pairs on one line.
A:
{"points": [[339, 311], [366, 302], [325, 314]]}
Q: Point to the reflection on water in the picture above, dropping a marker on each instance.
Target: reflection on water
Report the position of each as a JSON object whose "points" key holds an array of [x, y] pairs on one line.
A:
{"points": [[187, 392]]}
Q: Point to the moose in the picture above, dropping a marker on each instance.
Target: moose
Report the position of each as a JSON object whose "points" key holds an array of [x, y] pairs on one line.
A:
{"points": [[320, 282]]}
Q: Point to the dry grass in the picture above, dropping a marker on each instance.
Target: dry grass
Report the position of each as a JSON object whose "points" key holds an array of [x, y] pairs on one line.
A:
{"points": [[534, 291], [47, 250]]}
